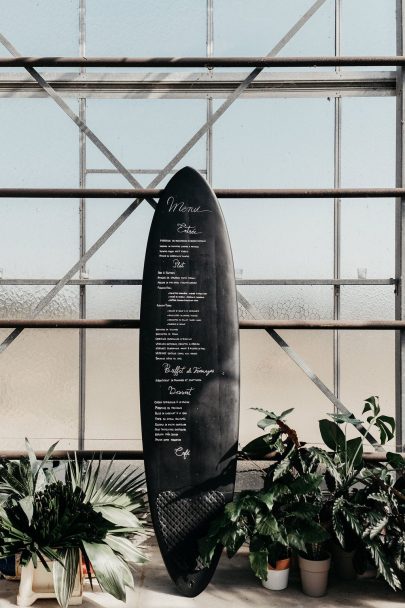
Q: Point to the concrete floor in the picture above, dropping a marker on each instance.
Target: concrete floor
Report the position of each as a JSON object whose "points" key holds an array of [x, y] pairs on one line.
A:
{"points": [[233, 584]]}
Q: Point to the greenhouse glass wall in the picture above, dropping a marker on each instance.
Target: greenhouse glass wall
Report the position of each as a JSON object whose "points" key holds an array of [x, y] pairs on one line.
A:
{"points": [[324, 258]]}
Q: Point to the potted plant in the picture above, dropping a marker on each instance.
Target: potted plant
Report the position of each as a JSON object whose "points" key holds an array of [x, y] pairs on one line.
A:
{"points": [[52, 522], [314, 566], [356, 508], [280, 517]]}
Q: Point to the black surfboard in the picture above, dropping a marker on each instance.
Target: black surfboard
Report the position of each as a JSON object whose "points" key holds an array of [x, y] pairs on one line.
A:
{"points": [[189, 373]]}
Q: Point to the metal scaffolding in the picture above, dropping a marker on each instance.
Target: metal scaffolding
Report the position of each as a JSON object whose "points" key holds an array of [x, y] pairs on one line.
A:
{"points": [[209, 86]]}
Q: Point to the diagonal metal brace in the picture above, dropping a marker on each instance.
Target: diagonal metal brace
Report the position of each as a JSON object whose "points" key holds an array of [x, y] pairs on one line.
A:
{"points": [[166, 170], [310, 374]]}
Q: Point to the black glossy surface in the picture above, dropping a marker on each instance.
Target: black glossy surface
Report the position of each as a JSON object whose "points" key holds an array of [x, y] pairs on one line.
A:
{"points": [[191, 383]]}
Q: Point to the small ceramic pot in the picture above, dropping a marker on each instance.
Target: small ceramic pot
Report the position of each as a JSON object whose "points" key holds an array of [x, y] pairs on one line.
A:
{"points": [[314, 575], [277, 578]]}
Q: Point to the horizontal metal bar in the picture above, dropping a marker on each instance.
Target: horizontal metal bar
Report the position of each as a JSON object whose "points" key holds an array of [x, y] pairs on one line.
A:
{"points": [[243, 324], [389, 281], [137, 455], [197, 84], [90, 282], [257, 282], [134, 171], [81, 454], [207, 62], [220, 192]]}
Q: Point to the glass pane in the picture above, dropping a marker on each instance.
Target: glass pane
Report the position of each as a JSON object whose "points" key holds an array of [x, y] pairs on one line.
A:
{"points": [[42, 145], [271, 380], [113, 302], [122, 256], [146, 133], [20, 301], [112, 388], [368, 368], [256, 30], [288, 302], [155, 28], [368, 244], [265, 143], [45, 28], [367, 358], [368, 28], [368, 142], [39, 238], [279, 238], [39, 379], [367, 302]]}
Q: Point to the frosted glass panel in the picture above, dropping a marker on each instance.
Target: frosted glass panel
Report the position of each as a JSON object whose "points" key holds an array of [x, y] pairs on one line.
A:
{"points": [[257, 29], [20, 301], [45, 27], [42, 145], [288, 302], [368, 302], [39, 388], [368, 142], [112, 390], [368, 368], [122, 256], [368, 28], [281, 238], [146, 133], [153, 28], [269, 379], [368, 228], [261, 143], [113, 302]]}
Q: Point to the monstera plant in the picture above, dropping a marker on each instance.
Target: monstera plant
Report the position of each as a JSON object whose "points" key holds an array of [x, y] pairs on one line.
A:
{"points": [[88, 513]]}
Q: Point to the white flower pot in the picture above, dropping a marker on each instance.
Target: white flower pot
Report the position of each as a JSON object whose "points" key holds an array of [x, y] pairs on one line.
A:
{"points": [[314, 575], [277, 578], [37, 583]]}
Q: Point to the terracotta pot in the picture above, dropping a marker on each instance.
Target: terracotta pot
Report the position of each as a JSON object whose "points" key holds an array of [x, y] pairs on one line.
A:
{"points": [[277, 578], [314, 575]]}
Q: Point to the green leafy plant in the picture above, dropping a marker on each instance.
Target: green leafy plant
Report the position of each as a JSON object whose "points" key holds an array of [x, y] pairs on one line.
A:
{"points": [[90, 513], [284, 514], [360, 501]]}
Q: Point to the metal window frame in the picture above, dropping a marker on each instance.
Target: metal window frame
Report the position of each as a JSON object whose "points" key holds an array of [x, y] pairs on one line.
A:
{"points": [[216, 85]]}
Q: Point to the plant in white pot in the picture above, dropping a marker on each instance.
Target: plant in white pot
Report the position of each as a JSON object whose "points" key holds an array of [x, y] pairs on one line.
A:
{"points": [[52, 523], [280, 517]]}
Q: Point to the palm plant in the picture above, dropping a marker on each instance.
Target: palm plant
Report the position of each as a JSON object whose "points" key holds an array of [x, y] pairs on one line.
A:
{"points": [[90, 513]]}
